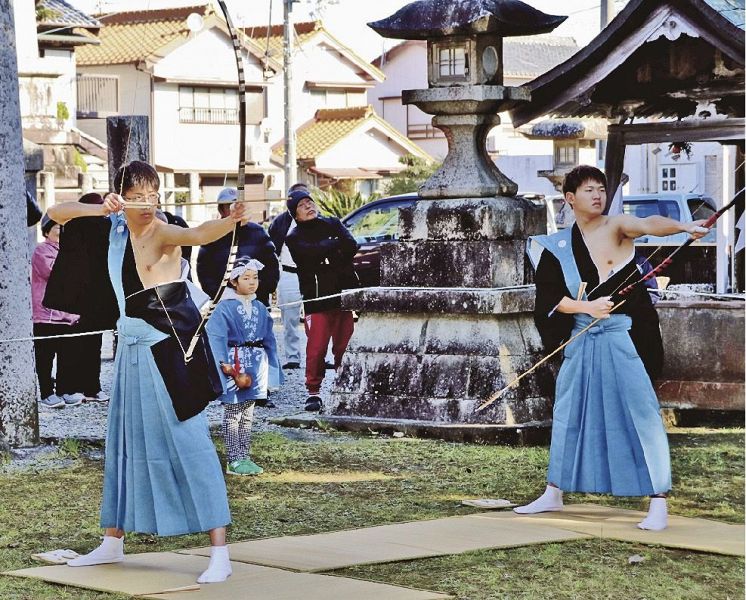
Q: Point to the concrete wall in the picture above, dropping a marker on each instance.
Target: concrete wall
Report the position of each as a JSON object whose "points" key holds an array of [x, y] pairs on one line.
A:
{"points": [[704, 355]]}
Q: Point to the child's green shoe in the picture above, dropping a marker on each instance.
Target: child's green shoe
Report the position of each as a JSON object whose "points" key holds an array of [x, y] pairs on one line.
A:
{"points": [[243, 467]]}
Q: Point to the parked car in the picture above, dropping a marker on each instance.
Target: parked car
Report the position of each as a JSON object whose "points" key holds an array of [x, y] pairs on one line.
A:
{"points": [[682, 207], [372, 225]]}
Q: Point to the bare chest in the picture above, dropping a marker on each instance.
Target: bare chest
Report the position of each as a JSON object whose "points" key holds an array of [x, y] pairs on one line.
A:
{"points": [[156, 264]]}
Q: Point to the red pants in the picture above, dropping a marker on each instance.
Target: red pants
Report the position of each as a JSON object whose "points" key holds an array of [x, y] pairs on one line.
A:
{"points": [[336, 325]]}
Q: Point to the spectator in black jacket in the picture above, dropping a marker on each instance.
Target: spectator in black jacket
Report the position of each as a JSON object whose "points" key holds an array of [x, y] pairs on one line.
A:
{"points": [[252, 240], [322, 249], [79, 283]]}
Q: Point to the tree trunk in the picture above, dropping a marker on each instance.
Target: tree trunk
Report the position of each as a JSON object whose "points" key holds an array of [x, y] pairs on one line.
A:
{"points": [[19, 422]]}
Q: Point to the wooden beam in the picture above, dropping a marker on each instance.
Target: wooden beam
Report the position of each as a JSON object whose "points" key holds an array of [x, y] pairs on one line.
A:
{"points": [[679, 131]]}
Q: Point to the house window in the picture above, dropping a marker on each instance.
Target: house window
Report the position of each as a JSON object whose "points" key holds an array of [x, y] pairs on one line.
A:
{"points": [[452, 62], [219, 105], [668, 179], [321, 98], [565, 155], [98, 96]]}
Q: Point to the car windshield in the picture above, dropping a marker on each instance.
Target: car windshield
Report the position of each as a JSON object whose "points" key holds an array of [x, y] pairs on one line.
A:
{"points": [[648, 208], [701, 208], [379, 224]]}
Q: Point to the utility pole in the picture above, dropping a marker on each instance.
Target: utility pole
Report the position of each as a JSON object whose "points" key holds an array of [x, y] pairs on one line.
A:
{"points": [[290, 153], [608, 12]]}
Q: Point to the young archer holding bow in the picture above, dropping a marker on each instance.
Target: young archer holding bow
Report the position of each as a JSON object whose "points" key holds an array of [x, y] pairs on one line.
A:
{"points": [[162, 474], [607, 433]]}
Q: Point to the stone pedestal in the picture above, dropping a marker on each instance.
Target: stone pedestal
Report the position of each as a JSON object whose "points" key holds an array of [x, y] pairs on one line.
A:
{"points": [[458, 327]]}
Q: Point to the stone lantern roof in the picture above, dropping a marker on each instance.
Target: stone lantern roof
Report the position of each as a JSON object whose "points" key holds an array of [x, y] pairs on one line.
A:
{"points": [[429, 19]]}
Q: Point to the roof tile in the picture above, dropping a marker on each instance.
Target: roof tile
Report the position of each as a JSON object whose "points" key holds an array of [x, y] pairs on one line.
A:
{"points": [[326, 129], [130, 37], [61, 14]]}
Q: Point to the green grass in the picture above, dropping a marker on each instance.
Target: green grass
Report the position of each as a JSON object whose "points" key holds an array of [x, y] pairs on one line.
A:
{"points": [[344, 482]]}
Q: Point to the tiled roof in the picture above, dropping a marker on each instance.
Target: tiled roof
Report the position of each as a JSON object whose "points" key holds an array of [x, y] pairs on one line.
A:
{"points": [[129, 37], [730, 9], [61, 14], [303, 32], [328, 126], [531, 56]]}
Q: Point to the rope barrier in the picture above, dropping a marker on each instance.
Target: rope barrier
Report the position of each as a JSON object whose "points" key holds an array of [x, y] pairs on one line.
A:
{"points": [[741, 297], [284, 305]]}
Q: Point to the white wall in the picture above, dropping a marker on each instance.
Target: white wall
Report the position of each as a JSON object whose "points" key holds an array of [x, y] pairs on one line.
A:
{"points": [[207, 56], [522, 170], [316, 61], [368, 148], [134, 96], [643, 167], [187, 147]]}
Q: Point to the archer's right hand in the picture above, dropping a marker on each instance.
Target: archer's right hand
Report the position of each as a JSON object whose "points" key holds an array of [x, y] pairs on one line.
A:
{"points": [[600, 308], [113, 203]]}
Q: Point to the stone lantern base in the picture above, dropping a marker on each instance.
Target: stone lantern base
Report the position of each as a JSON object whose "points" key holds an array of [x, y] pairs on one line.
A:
{"points": [[424, 360]]}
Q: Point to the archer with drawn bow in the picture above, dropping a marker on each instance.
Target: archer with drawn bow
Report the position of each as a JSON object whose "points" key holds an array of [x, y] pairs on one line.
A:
{"points": [[162, 474], [607, 433]]}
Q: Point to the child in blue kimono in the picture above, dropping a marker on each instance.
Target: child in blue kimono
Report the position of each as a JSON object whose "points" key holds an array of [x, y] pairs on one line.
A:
{"points": [[607, 433], [241, 337]]}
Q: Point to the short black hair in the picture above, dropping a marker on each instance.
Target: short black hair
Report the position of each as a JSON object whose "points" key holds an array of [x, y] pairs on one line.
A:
{"points": [[579, 175], [135, 173]]}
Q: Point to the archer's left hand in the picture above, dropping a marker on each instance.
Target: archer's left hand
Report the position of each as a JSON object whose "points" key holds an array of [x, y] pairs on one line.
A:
{"points": [[696, 229]]}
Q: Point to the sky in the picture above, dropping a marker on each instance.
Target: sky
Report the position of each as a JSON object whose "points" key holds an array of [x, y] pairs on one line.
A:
{"points": [[346, 19]]}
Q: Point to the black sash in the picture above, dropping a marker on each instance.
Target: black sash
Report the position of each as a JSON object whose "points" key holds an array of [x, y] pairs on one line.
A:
{"points": [[170, 309]]}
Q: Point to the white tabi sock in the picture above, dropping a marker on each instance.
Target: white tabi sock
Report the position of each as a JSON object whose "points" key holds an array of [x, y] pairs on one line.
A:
{"points": [[219, 568], [111, 550], [657, 518], [549, 501]]}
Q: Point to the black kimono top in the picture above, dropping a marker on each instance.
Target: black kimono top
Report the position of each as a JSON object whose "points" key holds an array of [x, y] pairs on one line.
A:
{"points": [[551, 288]]}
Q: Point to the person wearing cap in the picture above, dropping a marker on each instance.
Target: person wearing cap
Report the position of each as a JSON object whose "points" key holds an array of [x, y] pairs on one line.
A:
{"points": [[252, 241], [323, 250], [288, 289], [48, 323]]}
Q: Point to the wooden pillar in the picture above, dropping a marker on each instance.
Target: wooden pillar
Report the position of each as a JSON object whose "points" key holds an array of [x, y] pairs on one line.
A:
{"points": [[615, 150], [128, 139]]}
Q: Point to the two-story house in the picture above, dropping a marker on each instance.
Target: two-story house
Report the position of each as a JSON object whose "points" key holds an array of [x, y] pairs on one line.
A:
{"points": [[340, 139], [177, 66], [405, 67]]}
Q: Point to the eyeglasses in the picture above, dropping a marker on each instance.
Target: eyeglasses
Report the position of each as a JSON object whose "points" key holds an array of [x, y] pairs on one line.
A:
{"points": [[153, 198]]}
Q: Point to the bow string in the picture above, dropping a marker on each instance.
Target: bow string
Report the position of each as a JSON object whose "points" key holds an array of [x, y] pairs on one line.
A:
{"points": [[207, 311]]}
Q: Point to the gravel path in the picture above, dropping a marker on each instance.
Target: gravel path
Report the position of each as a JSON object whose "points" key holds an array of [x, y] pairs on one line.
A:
{"points": [[88, 420]]}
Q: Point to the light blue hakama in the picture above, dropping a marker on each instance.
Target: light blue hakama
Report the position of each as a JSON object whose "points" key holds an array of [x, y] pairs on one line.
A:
{"points": [[161, 475], [607, 432]]}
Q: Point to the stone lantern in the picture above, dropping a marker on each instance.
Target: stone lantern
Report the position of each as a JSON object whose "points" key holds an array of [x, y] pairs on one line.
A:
{"points": [[452, 322], [465, 75]]}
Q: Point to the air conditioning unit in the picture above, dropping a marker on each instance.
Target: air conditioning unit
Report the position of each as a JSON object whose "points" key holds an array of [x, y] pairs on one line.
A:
{"points": [[492, 144]]}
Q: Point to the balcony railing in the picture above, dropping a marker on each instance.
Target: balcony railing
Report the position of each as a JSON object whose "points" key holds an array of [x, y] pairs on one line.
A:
{"points": [[208, 115], [98, 96], [423, 131]]}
